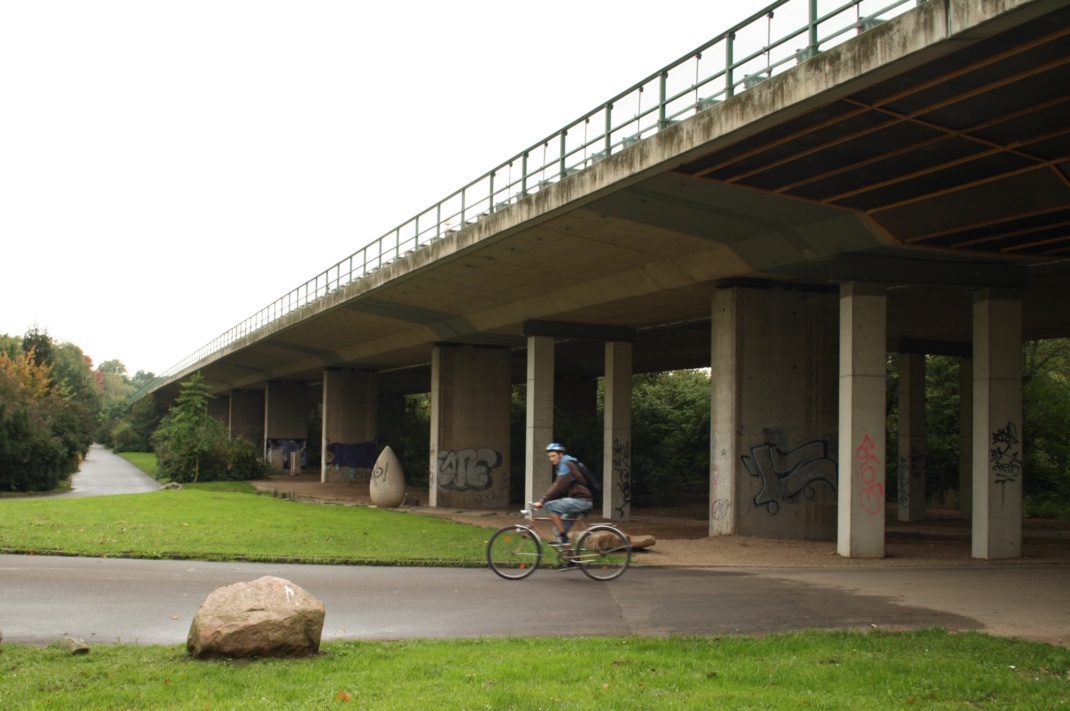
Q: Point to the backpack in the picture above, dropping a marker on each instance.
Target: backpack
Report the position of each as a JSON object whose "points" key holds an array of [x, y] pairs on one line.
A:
{"points": [[593, 483]]}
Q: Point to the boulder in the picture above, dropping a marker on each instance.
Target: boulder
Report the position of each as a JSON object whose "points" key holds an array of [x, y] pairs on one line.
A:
{"points": [[387, 487], [269, 617], [74, 645]]}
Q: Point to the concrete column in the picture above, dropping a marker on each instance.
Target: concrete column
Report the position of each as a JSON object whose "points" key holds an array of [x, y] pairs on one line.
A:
{"points": [[724, 413], [470, 448], [285, 418], [219, 408], [539, 427], [773, 414], [617, 437], [350, 418], [863, 375], [911, 437], [966, 438], [997, 425], [247, 415]]}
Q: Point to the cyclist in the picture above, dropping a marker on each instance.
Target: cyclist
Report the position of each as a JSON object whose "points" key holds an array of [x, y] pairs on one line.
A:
{"points": [[567, 496]]}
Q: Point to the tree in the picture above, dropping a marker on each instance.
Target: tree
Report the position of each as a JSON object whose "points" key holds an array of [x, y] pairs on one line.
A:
{"points": [[188, 436]]}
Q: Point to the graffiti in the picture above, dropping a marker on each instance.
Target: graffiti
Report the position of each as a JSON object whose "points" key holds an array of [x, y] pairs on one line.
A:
{"points": [[788, 475], [286, 446], [622, 474], [360, 455], [380, 471], [719, 509], [467, 469], [871, 494], [1005, 458], [911, 474]]}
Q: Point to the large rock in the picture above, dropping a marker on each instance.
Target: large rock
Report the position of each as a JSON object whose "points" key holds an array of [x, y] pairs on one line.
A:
{"points": [[387, 487], [269, 617]]}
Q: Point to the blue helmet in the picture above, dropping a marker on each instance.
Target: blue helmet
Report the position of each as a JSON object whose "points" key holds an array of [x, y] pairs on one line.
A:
{"points": [[555, 447]]}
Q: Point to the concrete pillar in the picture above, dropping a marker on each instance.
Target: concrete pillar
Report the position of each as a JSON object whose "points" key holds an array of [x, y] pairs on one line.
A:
{"points": [[997, 425], [350, 419], [617, 437], [966, 438], [911, 437], [863, 376], [285, 419], [773, 414], [470, 397], [539, 427], [219, 408], [247, 415]]}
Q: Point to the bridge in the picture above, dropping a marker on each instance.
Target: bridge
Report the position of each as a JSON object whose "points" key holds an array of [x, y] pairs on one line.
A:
{"points": [[787, 204]]}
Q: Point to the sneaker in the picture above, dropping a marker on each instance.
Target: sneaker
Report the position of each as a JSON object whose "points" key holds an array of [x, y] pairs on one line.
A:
{"points": [[568, 565], [559, 541]]}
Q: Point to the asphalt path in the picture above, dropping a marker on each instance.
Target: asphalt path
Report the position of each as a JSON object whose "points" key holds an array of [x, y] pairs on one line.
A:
{"points": [[153, 602], [103, 473]]}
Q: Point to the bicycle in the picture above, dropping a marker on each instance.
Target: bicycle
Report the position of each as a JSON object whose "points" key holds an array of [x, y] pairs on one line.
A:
{"points": [[601, 551]]}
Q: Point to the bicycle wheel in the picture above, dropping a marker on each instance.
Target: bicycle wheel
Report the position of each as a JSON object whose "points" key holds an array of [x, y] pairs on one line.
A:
{"points": [[514, 552], [603, 553]]}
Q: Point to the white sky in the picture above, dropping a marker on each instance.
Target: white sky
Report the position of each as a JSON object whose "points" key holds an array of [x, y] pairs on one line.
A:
{"points": [[169, 168]]}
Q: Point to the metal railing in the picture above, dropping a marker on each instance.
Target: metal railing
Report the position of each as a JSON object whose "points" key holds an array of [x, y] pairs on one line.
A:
{"points": [[773, 40]]}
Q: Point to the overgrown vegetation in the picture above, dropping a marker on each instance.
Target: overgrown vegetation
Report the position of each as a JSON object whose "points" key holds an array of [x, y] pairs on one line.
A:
{"points": [[191, 445], [48, 408], [931, 669]]}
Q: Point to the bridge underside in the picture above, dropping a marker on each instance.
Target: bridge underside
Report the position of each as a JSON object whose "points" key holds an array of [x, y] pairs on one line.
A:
{"points": [[930, 156]]}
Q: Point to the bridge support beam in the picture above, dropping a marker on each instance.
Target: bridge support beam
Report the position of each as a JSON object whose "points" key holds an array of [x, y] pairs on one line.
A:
{"points": [[863, 376], [539, 427], [997, 424], [470, 447], [247, 415], [350, 417], [285, 422], [773, 416], [617, 433], [911, 437]]}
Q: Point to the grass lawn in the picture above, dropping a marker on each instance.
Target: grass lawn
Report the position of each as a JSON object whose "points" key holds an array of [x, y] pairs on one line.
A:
{"points": [[145, 461], [928, 669], [211, 523]]}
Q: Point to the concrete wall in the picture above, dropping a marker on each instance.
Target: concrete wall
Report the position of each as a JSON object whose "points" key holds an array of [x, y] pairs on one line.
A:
{"points": [[247, 415], [470, 446], [774, 413], [350, 416], [219, 408]]}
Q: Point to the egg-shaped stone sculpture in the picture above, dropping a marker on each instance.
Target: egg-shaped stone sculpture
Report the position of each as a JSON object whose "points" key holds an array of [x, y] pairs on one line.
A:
{"points": [[387, 486]]}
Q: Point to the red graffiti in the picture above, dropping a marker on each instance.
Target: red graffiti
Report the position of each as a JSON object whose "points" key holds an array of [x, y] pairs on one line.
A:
{"points": [[871, 497]]}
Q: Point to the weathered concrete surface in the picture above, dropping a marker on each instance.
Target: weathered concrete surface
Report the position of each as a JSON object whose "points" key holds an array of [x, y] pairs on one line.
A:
{"points": [[387, 485]]}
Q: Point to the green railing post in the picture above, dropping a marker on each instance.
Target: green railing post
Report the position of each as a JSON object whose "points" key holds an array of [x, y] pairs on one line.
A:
{"points": [[663, 81], [812, 47], [564, 133], [490, 199], [524, 176], [609, 129], [463, 223], [729, 81]]}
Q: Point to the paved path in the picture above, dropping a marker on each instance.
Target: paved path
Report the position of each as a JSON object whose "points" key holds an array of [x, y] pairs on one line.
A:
{"points": [[103, 473], [153, 602]]}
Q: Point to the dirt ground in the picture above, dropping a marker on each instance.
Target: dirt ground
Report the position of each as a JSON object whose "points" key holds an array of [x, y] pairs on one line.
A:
{"points": [[682, 536]]}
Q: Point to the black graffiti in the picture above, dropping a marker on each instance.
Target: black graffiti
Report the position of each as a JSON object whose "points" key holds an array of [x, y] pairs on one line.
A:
{"points": [[622, 474], [467, 469], [1005, 458], [719, 509], [788, 475]]}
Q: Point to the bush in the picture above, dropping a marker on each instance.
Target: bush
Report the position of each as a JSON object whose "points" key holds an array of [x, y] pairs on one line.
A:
{"points": [[243, 462], [123, 438]]}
